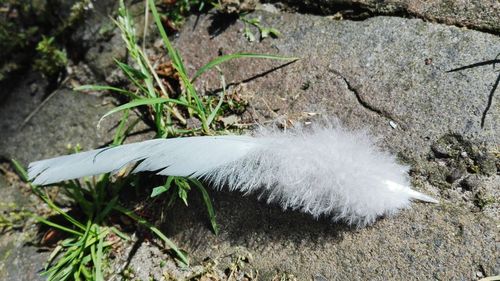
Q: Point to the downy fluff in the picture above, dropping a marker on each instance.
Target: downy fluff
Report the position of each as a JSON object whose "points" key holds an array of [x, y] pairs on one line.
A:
{"points": [[323, 170]]}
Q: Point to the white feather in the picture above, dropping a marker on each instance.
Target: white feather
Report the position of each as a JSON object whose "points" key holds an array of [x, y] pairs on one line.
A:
{"points": [[321, 171]]}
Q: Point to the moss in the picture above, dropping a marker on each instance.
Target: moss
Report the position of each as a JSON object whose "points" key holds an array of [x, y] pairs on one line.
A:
{"points": [[438, 175], [11, 217], [461, 154], [23, 25], [128, 274], [4, 257], [77, 12], [453, 158], [481, 200], [176, 11], [51, 60]]}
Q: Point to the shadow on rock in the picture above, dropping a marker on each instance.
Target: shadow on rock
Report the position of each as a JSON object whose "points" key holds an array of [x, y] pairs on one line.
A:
{"points": [[248, 221], [221, 22]]}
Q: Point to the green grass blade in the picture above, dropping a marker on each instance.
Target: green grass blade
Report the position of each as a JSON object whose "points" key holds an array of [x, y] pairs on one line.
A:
{"points": [[119, 233], [98, 257], [214, 112], [151, 69], [20, 170], [95, 236], [53, 255], [200, 107], [68, 256], [180, 63], [55, 225], [162, 188], [54, 207], [93, 258], [45, 198], [109, 206], [130, 128], [61, 212], [127, 70], [208, 203], [172, 53], [76, 194], [106, 88], [225, 58], [62, 270], [81, 258], [155, 230], [135, 73], [140, 102], [120, 130], [158, 190], [86, 273]]}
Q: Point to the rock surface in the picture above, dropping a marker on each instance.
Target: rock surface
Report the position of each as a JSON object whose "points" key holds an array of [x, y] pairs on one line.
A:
{"points": [[386, 74], [20, 259], [68, 118], [480, 15]]}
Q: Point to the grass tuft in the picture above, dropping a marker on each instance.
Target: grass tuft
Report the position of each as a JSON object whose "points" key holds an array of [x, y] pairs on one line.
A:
{"points": [[90, 236], [170, 107]]}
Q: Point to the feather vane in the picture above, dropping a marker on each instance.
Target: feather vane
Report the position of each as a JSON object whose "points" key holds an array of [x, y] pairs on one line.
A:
{"points": [[323, 171]]}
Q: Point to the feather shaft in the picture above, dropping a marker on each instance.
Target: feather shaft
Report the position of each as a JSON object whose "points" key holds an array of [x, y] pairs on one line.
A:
{"points": [[323, 170]]}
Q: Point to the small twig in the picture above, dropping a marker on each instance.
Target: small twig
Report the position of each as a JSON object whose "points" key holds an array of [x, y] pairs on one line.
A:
{"points": [[146, 19], [483, 63], [172, 110], [34, 112]]}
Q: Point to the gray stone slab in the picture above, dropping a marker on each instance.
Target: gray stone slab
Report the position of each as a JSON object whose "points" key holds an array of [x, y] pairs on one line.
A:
{"points": [[480, 15], [388, 75], [67, 118]]}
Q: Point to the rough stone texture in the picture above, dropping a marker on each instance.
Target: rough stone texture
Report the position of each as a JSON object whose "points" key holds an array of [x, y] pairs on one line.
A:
{"points": [[444, 242], [19, 258], [368, 74], [97, 41], [68, 118], [481, 15], [142, 260]]}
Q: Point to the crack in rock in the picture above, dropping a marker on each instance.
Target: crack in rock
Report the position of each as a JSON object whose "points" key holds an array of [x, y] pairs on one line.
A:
{"points": [[480, 16], [490, 101], [366, 104], [493, 89]]}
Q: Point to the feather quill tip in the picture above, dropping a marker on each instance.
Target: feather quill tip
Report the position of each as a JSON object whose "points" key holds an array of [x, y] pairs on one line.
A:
{"points": [[414, 195]]}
